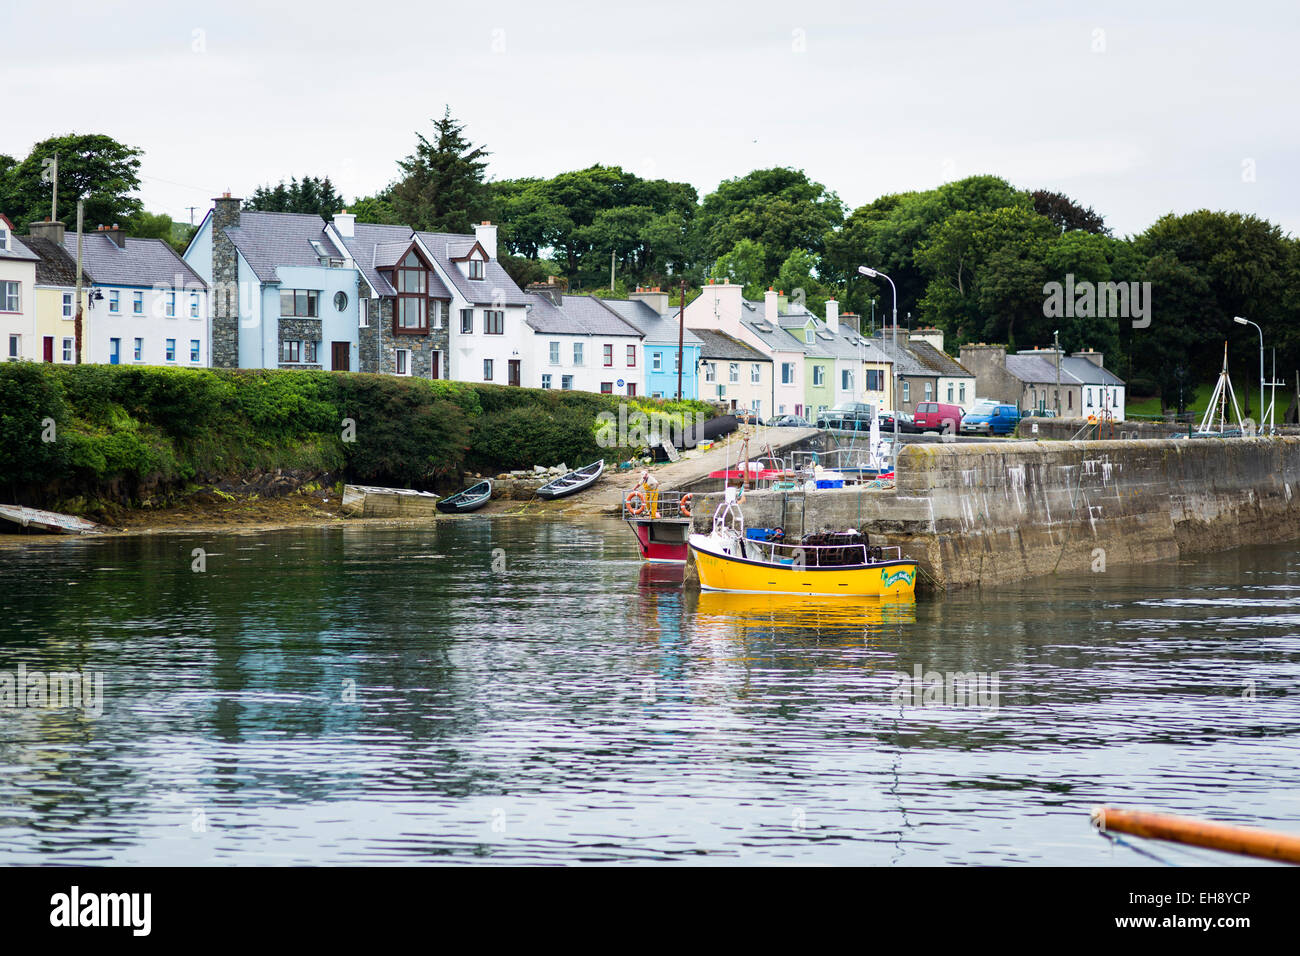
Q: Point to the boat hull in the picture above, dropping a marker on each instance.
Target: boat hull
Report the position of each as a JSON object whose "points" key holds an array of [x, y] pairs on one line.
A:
{"points": [[725, 572], [662, 541]]}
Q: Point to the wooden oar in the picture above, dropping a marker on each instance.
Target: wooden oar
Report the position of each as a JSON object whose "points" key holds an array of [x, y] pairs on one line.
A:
{"points": [[1249, 841]]}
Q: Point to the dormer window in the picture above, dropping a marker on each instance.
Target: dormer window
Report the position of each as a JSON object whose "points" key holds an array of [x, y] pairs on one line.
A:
{"points": [[4, 238], [476, 268]]}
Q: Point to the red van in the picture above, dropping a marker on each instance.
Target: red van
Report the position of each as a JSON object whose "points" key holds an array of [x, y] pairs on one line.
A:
{"points": [[937, 417]]}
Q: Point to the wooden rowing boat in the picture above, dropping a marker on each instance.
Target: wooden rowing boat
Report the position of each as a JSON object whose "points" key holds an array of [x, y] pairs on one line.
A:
{"points": [[49, 521], [467, 500], [572, 483], [1248, 841], [369, 501]]}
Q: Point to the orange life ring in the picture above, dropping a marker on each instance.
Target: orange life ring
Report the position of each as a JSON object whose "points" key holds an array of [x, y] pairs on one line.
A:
{"points": [[636, 503], [684, 506]]}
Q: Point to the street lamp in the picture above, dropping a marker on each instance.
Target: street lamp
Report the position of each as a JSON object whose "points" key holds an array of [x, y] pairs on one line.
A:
{"points": [[1244, 321], [871, 273]]}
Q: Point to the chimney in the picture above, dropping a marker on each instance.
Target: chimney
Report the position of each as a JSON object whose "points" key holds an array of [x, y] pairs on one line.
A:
{"points": [[486, 234], [552, 290], [116, 233], [771, 305], [225, 212], [833, 316], [346, 224], [52, 231], [1094, 357], [851, 322], [655, 298], [932, 335]]}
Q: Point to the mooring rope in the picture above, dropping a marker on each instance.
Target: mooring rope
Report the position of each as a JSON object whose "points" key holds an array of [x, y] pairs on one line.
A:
{"points": [[1120, 841]]}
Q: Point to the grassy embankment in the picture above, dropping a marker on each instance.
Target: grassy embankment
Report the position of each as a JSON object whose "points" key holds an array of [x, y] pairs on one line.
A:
{"points": [[89, 437]]}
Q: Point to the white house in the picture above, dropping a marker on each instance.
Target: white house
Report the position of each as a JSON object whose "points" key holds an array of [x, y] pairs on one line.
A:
{"points": [[17, 295], [579, 342], [147, 306]]}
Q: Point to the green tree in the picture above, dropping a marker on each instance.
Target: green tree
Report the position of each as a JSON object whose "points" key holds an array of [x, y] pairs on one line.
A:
{"points": [[1068, 214], [92, 166], [377, 209], [745, 264], [308, 195], [442, 188]]}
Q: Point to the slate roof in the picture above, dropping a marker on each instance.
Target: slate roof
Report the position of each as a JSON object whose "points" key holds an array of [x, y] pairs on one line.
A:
{"points": [[720, 345], [495, 288], [17, 249], [143, 262], [773, 336], [1088, 373], [55, 266], [577, 315], [941, 362], [373, 246], [905, 362], [271, 239], [657, 329], [1039, 369]]}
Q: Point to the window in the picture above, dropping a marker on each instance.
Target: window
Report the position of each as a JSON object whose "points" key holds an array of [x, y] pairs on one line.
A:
{"points": [[171, 350], [875, 380], [402, 361], [340, 301], [631, 388], [929, 391], [819, 375], [410, 312], [476, 268], [67, 305], [631, 356], [363, 314], [846, 379], [1069, 398], [787, 373], [950, 393], [607, 388], [435, 312], [907, 390], [546, 380], [466, 321], [194, 351], [756, 406], [290, 351], [171, 305], [710, 372], [607, 353], [194, 305], [677, 361], [114, 350], [733, 373], [577, 353], [4, 238], [137, 303], [487, 370], [67, 350], [808, 336], [138, 352], [756, 373], [657, 362], [961, 392], [494, 322], [16, 346], [566, 382], [114, 301], [555, 353], [300, 303], [10, 296], [1090, 398]]}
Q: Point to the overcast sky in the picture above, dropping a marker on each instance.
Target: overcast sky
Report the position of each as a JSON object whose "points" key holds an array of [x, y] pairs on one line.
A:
{"points": [[1136, 109]]}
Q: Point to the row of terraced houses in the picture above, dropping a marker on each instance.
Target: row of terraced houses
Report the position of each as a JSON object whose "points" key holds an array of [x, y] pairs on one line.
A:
{"points": [[292, 291]]}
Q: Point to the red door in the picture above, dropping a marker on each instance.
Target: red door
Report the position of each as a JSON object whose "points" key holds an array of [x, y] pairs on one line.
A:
{"points": [[49, 348], [514, 372], [433, 364], [340, 353]]}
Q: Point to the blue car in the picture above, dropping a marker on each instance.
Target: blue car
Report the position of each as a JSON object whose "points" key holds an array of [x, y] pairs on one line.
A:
{"points": [[991, 420]]}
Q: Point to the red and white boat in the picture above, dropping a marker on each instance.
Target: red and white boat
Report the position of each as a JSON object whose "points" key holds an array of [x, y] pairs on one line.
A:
{"points": [[661, 521]]}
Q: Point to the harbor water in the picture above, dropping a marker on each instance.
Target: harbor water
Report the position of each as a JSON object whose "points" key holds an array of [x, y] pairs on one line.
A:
{"points": [[508, 691]]}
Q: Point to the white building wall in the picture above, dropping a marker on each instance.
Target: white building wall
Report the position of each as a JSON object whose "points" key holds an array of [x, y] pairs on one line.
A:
{"points": [[23, 322], [152, 325]]}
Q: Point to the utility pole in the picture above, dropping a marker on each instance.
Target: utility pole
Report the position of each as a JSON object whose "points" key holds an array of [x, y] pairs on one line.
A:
{"points": [[681, 340], [54, 193], [191, 209], [611, 272], [77, 325], [1056, 353]]}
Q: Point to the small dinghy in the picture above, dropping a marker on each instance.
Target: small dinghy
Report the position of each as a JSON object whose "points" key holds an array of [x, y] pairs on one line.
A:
{"points": [[470, 499], [573, 482], [49, 521]]}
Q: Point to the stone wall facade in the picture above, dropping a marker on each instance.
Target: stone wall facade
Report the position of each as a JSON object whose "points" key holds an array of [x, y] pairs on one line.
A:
{"points": [[224, 303], [300, 330]]}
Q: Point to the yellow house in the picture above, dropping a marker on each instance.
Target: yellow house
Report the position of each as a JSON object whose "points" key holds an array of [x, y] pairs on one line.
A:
{"points": [[56, 280]]}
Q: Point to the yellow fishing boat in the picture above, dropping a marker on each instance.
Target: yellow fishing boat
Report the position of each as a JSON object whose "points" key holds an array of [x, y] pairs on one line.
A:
{"points": [[728, 560]]}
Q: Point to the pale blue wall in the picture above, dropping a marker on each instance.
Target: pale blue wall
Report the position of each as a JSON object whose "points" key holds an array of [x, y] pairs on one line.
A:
{"points": [[665, 381]]}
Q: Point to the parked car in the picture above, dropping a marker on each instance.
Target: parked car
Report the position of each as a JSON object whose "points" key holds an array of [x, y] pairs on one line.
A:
{"points": [[1040, 413], [906, 425], [790, 421], [847, 415], [998, 420], [937, 417]]}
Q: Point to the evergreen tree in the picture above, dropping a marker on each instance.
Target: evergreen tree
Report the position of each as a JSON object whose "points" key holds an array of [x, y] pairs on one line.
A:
{"points": [[442, 188], [311, 195]]}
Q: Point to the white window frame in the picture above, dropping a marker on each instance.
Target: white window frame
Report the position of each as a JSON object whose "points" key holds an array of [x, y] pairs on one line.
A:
{"points": [[546, 380], [657, 362], [553, 352], [577, 355], [67, 306], [489, 369], [733, 373], [11, 290], [401, 362], [755, 373], [68, 346]]}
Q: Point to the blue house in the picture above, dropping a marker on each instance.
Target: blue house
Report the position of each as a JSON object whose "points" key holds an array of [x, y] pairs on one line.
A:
{"points": [[648, 311]]}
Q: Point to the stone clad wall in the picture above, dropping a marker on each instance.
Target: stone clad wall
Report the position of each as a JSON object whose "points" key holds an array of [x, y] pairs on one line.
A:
{"points": [[981, 514]]}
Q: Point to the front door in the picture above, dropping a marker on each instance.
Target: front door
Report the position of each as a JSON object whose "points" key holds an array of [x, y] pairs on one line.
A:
{"points": [[513, 372], [49, 348], [434, 365], [340, 354]]}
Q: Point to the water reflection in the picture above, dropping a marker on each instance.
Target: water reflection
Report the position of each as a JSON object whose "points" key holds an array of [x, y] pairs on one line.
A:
{"points": [[528, 691]]}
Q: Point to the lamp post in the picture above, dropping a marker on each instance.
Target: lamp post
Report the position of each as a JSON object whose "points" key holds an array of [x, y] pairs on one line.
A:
{"points": [[871, 273], [1244, 321]]}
